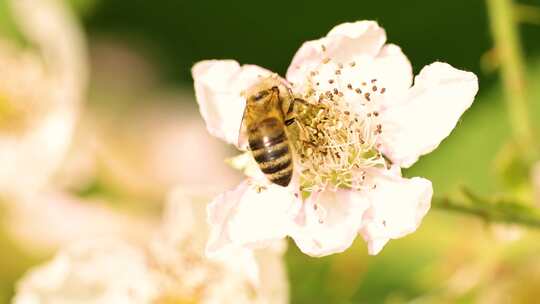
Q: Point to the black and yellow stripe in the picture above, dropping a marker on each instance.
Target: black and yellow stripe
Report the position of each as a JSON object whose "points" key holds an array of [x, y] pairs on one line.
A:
{"points": [[273, 155]]}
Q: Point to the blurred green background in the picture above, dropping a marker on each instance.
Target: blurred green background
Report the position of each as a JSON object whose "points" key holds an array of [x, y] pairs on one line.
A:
{"points": [[452, 258]]}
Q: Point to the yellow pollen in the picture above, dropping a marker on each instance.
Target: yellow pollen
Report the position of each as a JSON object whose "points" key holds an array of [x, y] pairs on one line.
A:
{"points": [[12, 117], [330, 143]]}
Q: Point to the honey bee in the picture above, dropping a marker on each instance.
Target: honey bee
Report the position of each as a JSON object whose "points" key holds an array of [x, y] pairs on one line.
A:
{"points": [[269, 104]]}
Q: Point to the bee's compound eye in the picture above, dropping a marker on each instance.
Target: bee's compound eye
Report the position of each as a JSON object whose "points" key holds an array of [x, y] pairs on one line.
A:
{"points": [[260, 95]]}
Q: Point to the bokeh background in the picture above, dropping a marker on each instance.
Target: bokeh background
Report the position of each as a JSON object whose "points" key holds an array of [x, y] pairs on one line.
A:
{"points": [[140, 115]]}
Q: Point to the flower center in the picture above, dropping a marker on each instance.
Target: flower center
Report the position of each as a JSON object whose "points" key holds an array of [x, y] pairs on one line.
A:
{"points": [[12, 117], [335, 137], [20, 109], [187, 276], [24, 97]]}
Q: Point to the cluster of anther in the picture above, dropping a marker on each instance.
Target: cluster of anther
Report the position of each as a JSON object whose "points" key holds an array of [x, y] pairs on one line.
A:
{"points": [[15, 115], [188, 276], [337, 132]]}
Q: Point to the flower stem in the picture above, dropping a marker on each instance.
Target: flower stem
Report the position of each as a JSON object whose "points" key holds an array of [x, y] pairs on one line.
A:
{"points": [[527, 13], [503, 24], [493, 212]]}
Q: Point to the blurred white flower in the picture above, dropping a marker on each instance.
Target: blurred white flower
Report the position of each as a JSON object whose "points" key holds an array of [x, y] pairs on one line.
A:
{"points": [[507, 232], [69, 219], [104, 271], [40, 95], [236, 276], [133, 135], [167, 146], [168, 268], [365, 120]]}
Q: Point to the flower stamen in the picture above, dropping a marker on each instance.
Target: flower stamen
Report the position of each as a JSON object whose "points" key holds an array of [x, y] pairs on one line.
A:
{"points": [[335, 141]]}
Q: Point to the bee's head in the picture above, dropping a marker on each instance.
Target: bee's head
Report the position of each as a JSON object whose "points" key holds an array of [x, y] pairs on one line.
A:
{"points": [[262, 96], [265, 94]]}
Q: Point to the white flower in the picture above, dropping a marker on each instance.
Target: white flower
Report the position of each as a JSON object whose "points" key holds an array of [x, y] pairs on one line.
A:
{"points": [[68, 219], [237, 275], [104, 271], [40, 95], [137, 157], [169, 268], [365, 120]]}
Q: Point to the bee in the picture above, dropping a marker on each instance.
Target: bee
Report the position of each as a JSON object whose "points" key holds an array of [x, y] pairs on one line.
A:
{"points": [[269, 106]]}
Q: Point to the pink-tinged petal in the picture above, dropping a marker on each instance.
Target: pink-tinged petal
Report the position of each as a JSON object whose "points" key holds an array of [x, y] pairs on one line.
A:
{"points": [[250, 216], [387, 77], [332, 221], [397, 207], [103, 270], [218, 87], [416, 126], [184, 222], [376, 245], [69, 219], [394, 71], [274, 283], [343, 43]]}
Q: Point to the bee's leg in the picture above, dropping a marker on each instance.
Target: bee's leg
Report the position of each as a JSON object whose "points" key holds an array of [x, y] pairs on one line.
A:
{"points": [[290, 110], [302, 101], [292, 104], [289, 116]]}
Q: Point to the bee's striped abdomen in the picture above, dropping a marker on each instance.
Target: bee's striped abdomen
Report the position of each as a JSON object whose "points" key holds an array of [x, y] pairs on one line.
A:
{"points": [[270, 148]]}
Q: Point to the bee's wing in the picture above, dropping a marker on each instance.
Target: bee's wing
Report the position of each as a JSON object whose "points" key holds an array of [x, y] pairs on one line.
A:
{"points": [[242, 134]]}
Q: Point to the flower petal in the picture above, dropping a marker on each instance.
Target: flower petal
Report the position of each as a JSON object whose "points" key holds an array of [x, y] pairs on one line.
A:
{"points": [[343, 43], [98, 271], [184, 223], [398, 206], [274, 284], [416, 126], [393, 71], [68, 219], [184, 219], [229, 277], [35, 156], [387, 77], [249, 216], [48, 85], [332, 222], [218, 87]]}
